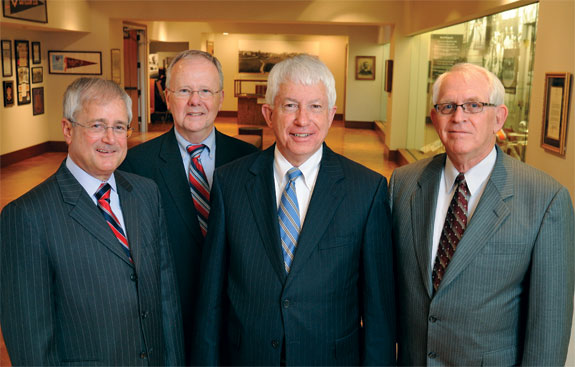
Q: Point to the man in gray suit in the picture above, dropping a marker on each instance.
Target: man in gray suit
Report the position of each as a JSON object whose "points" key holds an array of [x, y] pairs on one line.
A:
{"points": [[485, 265], [86, 276], [298, 268]]}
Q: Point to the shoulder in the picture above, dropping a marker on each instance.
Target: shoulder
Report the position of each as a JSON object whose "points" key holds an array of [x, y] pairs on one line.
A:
{"points": [[136, 181], [226, 142], [154, 145]]}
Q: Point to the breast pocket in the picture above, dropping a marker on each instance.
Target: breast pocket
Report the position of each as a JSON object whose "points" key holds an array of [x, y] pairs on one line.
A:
{"points": [[505, 248]]}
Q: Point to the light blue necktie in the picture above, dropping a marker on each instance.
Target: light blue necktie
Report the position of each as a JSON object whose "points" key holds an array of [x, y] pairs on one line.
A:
{"points": [[288, 214]]}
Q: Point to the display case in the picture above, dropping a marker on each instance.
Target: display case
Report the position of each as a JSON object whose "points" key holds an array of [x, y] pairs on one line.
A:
{"points": [[251, 95]]}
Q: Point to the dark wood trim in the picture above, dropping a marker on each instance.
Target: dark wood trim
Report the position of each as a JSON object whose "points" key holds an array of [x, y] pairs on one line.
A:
{"points": [[20, 155], [228, 113], [359, 124], [338, 117]]}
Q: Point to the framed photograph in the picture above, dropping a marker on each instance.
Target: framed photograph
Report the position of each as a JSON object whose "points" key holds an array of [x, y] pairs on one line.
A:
{"points": [[210, 47], [36, 58], [555, 112], [6, 58], [22, 57], [116, 66], [37, 74], [30, 10], [8, 87], [75, 62], [388, 75], [365, 68], [37, 101]]}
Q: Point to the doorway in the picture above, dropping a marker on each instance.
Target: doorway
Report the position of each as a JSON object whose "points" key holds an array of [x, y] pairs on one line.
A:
{"points": [[135, 74]]}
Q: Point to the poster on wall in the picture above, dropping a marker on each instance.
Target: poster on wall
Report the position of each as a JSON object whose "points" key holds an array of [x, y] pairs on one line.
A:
{"points": [[8, 87], [38, 101], [30, 10], [6, 58], [259, 56], [22, 53], [446, 51], [75, 62]]}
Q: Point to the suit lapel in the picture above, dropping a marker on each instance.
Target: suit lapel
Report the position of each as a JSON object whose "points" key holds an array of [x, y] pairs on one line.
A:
{"points": [[326, 197], [174, 176], [132, 213], [423, 203], [261, 194], [491, 212], [86, 213]]}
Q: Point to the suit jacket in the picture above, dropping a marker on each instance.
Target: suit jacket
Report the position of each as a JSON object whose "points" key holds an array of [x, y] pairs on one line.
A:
{"points": [[160, 160], [507, 295], [68, 292], [341, 274]]}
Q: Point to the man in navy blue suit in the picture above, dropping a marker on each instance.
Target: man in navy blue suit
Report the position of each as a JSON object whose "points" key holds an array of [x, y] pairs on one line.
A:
{"points": [[297, 268]]}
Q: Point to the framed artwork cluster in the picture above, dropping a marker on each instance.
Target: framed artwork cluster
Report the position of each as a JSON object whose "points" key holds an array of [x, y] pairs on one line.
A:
{"points": [[21, 63]]}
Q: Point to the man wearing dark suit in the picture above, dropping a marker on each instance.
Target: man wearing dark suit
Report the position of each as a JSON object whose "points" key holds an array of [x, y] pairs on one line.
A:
{"points": [[194, 96], [272, 294], [84, 279], [485, 266]]}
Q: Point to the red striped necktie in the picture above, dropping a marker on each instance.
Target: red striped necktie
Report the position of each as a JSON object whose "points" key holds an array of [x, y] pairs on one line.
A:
{"points": [[199, 186], [103, 198], [455, 224]]}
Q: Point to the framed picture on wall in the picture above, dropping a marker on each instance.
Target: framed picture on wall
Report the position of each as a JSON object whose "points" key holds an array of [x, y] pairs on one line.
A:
{"points": [[33, 11], [116, 66], [555, 112], [8, 87], [75, 62], [37, 74], [22, 57], [365, 68], [36, 56], [37, 101], [6, 58]]}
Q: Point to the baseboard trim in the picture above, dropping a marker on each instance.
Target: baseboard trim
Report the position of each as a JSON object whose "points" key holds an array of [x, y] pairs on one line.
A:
{"points": [[228, 113], [19, 155], [359, 124]]}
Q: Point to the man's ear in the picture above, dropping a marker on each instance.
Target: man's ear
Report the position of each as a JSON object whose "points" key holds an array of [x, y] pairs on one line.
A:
{"points": [[500, 117], [267, 111], [67, 130]]}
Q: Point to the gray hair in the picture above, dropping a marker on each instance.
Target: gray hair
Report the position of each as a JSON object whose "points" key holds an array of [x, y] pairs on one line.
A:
{"points": [[495, 87], [301, 69], [83, 90], [191, 54]]}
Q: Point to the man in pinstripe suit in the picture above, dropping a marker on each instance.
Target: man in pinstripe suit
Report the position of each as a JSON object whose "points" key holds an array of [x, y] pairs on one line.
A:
{"points": [[505, 295], [70, 292], [333, 303]]}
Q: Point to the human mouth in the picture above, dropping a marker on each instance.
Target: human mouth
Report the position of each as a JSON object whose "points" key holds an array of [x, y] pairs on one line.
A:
{"points": [[193, 114], [300, 135], [105, 151]]}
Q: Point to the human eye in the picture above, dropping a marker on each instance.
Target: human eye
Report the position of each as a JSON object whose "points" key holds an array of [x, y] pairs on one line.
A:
{"points": [[97, 126], [473, 106], [184, 92], [316, 107], [446, 107], [205, 93], [290, 107], [120, 128]]}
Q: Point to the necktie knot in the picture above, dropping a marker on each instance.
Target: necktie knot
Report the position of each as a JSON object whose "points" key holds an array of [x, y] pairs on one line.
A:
{"points": [[199, 185], [293, 174], [103, 192], [194, 150], [103, 198]]}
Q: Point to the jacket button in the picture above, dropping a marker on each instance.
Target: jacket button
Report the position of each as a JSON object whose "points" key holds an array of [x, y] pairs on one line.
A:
{"points": [[145, 314], [143, 355], [133, 277], [275, 344], [432, 319], [286, 303], [432, 355]]}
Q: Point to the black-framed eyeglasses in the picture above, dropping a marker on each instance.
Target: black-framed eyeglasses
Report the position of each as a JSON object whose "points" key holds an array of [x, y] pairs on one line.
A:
{"points": [[203, 93], [98, 129], [467, 107]]}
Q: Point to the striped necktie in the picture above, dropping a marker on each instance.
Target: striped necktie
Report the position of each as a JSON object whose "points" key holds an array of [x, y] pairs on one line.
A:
{"points": [[103, 198], [455, 224], [199, 186], [288, 214]]}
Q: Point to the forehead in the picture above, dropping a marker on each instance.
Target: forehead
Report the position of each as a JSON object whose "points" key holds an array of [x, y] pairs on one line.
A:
{"points": [[195, 68], [106, 109], [459, 87], [302, 92]]}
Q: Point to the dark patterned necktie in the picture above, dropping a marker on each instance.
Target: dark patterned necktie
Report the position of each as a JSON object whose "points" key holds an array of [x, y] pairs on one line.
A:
{"points": [[455, 224], [199, 186], [288, 214], [103, 198]]}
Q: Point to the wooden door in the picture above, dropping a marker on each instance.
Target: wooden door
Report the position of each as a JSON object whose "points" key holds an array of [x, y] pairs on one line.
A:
{"points": [[131, 73]]}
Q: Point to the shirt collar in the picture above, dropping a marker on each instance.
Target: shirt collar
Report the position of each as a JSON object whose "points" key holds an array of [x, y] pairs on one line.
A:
{"points": [[474, 177], [282, 165], [90, 183], [209, 142]]}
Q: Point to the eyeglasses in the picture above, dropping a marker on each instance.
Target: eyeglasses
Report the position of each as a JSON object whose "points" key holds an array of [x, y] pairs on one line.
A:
{"points": [[187, 93], [291, 107], [467, 107], [99, 129]]}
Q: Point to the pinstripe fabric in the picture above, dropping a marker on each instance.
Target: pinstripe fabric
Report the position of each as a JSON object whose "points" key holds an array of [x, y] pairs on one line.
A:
{"points": [[507, 296], [68, 293], [160, 160], [341, 272]]}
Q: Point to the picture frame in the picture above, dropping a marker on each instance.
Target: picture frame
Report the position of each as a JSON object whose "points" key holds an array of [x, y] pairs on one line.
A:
{"points": [[32, 11], [37, 74], [22, 61], [6, 58], [555, 112], [36, 54], [75, 62], [388, 75], [8, 88], [37, 101], [365, 68], [210, 47], [116, 62]]}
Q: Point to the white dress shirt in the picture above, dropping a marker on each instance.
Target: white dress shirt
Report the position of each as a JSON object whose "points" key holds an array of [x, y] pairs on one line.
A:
{"points": [[91, 186], [476, 179], [304, 184]]}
